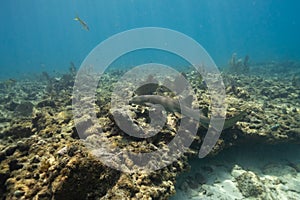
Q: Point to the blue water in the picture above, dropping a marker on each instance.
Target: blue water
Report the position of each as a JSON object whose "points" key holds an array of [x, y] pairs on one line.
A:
{"points": [[41, 35]]}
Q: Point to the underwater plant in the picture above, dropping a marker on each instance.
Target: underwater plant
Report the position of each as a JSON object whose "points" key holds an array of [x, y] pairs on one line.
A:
{"points": [[239, 65], [72, 69]]}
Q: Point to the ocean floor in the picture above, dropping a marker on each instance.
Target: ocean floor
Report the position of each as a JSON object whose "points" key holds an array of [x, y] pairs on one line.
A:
{"points": [[42, 156], [246, 172]]}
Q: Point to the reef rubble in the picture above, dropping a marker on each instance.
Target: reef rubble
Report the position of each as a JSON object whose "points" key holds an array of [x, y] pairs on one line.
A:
{"points": [[42, 157]]}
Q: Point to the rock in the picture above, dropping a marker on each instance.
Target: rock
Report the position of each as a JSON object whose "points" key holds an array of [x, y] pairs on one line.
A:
{"points": [[46, 102], [64, 117], [4, 175], [10, 150], [275, 127], [18, 130], [25, 108], [2, 156], [293, 184], [35, 159], [81, 171], [250, 184], [44, 194], [19, 193], [46, 163], [22, 146], [14, 165], [63, 151], [4, 119], [237, 171]]}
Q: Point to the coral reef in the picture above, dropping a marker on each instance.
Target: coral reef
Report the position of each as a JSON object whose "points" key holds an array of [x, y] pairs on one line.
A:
{"points": [[41, 156]]}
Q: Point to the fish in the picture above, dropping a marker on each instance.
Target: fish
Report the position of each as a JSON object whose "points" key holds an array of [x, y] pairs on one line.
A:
{"points": [[172, 105], [83, 24]]}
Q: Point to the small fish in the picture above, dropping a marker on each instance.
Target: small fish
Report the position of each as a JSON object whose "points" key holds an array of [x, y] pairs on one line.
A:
{"points": [[83, 24]]}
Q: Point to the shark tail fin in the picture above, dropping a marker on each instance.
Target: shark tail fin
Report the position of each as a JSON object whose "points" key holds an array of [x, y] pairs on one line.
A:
{"points": [[232, 121]]}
